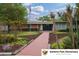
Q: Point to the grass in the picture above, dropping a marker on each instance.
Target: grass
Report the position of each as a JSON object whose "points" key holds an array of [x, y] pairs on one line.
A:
{"points": [[20, 40], [7, 34], [58, 32], [27, 33], [64, 38], [21, 33]]}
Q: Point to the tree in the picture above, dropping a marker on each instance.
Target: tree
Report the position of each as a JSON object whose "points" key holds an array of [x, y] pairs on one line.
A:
{"points": [[52, 15], [44, 18], [69, 17], [10, 12], [62, 16], [41, 19], [76, 17]]}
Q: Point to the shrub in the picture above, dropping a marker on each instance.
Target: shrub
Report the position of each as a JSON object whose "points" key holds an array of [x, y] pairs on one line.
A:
{"points": [[7, 48], [67, 42], [64, 30], [21, 41], [7, 38], [11, 38], [64, 43], [54, 46], [76, 36]]}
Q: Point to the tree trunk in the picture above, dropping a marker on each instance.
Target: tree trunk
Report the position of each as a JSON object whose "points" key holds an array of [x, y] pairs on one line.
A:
{"points": [[54, 26], [77, 39], [71, 33], [54, 31], [8, 28]]}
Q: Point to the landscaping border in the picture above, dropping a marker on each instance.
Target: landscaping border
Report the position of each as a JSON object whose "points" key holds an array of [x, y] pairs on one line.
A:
{"points": [[5, 53], [17, 51]]}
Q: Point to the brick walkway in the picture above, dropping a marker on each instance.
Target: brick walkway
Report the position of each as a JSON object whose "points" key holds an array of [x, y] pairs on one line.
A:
{"points": [[34, 48]]}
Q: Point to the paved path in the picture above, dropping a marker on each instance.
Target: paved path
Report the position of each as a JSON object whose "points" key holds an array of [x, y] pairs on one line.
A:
{"points": [[34, 48]]}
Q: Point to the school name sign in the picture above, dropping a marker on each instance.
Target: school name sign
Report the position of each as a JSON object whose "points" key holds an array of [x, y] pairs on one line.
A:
{"points": [[51, 52]]}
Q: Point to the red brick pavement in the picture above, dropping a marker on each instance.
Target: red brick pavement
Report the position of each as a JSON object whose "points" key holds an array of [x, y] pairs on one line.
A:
{"points": [[34, 48]]}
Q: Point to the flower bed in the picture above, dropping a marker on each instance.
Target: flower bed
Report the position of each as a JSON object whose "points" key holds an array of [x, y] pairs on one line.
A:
{"points": [[64, 43], [52, 37], [18, 43], [10, 48]]}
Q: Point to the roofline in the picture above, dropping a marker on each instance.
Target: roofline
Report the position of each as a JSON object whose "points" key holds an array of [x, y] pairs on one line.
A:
{"points": [[45, 22]]}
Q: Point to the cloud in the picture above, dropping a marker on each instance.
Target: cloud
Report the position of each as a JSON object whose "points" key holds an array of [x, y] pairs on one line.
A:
{"points": [[59, 9], [28, 10], [37, 8], [27, 4], [60, 4], [35, 13], [73, 5]]}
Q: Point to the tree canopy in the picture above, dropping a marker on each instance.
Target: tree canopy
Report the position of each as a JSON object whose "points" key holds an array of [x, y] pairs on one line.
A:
{"points": [[44, 18], [12, 12]]}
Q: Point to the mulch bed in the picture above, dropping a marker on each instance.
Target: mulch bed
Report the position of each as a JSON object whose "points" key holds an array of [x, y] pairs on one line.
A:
{"points": [[30, 37], [52, 37], [15, 47]]}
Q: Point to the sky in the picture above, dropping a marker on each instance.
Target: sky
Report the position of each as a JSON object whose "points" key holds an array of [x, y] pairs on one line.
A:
{"points": [[40, 9]]}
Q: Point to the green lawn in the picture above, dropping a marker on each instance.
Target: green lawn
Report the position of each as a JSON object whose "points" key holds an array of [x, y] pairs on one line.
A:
{"points": [[21, 33], [59, 32], [18, 40], [28, 33]]}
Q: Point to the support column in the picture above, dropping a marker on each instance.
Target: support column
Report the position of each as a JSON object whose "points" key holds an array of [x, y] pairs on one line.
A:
{"points": [[30, 27], [52, 28], [37, 27], [41, 27]]}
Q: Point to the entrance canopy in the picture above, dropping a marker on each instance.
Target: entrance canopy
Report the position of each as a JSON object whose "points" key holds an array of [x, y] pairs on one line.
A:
{"points": [[47, 27]]}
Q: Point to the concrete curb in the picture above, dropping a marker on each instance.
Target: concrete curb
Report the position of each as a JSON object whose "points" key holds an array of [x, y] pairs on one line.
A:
{"points": [[5, 53], [17, 51], [14, 53]]}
